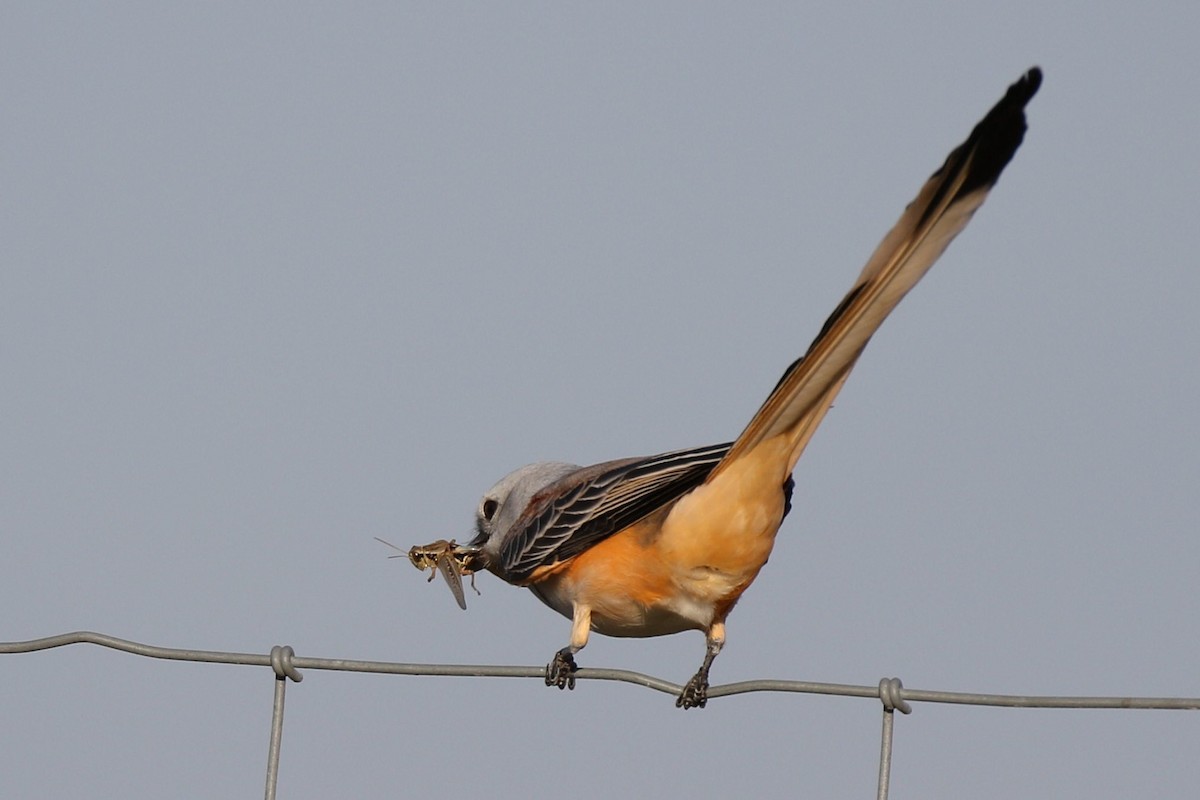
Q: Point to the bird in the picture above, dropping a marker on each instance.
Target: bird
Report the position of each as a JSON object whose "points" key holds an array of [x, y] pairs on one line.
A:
{"points": [[656, 545]]}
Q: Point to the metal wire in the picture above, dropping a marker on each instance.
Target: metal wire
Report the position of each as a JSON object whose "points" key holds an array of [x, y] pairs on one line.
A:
{"points": [[891, 692], [282, 662], [276, 738], [286, 666]]}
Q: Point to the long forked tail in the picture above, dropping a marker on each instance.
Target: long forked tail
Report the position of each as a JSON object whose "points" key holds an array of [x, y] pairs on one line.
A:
{"points": [[940, 211]]}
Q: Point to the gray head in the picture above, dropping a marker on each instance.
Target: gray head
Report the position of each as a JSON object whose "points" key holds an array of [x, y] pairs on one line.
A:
{"points": [[504, 503]]}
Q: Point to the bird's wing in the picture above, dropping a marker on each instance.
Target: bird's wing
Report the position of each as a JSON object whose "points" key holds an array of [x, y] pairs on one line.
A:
{"points": [[589, 505]]}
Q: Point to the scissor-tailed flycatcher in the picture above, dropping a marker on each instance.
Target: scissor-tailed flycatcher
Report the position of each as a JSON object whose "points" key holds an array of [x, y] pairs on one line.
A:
{"points": [[662, 544]]}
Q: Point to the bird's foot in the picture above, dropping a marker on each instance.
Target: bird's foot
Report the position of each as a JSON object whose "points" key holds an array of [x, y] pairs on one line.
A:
{"points": [[561, 671], [695, 692]]}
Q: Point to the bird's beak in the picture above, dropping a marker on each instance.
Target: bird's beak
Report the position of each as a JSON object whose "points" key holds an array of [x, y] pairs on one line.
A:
{"points": [[473, 559]]}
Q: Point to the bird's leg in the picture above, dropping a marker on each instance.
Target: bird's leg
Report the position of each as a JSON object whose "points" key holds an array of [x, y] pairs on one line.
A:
{"points": [[695, 693], [560, 672]]}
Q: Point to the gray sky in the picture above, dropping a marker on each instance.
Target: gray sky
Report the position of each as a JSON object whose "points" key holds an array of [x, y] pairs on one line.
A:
{"points": [[273, 285]]}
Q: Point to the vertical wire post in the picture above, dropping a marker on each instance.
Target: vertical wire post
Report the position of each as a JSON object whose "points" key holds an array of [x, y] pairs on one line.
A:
{"points": [[281, 662], [891, 693]]}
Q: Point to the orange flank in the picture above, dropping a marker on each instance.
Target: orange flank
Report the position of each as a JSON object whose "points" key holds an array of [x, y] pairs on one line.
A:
{"points": [[721, 533], [623, 581]]}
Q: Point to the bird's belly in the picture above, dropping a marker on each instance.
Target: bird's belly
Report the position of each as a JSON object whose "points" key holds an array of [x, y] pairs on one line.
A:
{"points": [[631, 590], [625, 616]]}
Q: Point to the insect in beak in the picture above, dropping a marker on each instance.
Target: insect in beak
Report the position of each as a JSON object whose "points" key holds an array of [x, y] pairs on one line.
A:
{"points": [[445, 557]]}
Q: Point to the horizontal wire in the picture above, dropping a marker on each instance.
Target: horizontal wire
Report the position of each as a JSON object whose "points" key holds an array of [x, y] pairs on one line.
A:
{"points": [[593, 673]]}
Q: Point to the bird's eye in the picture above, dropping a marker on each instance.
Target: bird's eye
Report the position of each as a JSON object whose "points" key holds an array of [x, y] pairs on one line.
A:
{"points": [[489, 509]]}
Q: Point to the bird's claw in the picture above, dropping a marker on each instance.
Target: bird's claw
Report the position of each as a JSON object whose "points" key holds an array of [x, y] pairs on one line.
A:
{"points": [[695, 693], [561, 671]]}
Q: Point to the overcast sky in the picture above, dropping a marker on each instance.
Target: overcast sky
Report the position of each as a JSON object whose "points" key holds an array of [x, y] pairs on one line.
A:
{"points": [[273, 284]]}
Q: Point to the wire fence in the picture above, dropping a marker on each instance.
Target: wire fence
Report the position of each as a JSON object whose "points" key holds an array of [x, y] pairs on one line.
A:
{"points": [[891, 692]]}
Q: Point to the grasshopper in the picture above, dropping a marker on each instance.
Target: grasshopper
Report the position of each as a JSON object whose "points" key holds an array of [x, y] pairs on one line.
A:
{"points": [[445, 557]]}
